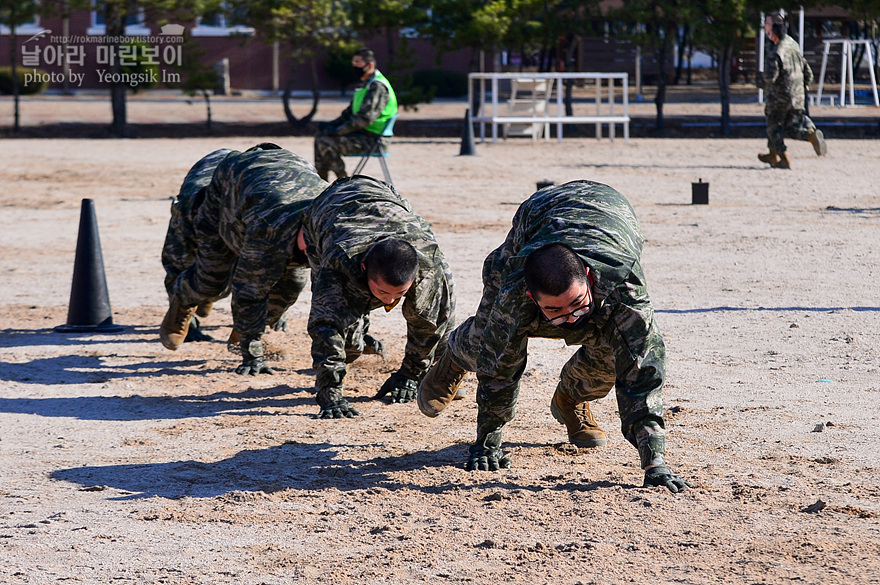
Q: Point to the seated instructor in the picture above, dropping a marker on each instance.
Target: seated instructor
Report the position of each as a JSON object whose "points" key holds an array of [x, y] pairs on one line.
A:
{"points": [[367, 249], [569, 269], [360, 125]]}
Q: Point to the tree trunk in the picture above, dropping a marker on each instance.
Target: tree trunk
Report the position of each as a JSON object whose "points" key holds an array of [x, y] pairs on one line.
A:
{"points": [[114, 19], [662, 64], [725, 61], [207, 97]]}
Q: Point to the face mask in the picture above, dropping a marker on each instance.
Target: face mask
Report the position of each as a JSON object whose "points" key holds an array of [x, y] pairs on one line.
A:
{"points": [[358, 71]]}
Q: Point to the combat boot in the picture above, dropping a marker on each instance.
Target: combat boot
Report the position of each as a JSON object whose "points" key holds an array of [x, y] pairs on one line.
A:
{"points": [[204, 309], [771, 158], [440, 385], [175, 325], [784, 162], [583, 430], [817, 139]]}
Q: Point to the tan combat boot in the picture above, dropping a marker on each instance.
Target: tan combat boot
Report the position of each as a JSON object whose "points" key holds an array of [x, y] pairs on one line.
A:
{"points": [[583, 430], [817, 139], [784, 162], [175, 325], [204, 309], [771, 158], [440, 385]]}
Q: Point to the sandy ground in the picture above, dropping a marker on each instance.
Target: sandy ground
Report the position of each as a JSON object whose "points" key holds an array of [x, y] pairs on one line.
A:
{"points": [[126, 463]]}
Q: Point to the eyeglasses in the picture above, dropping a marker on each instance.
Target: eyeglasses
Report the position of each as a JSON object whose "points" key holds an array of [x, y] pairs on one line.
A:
{"points": [[577, 314]]}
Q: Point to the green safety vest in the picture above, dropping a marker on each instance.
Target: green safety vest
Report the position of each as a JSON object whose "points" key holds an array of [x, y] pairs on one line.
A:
{"points": [[390, 108]]}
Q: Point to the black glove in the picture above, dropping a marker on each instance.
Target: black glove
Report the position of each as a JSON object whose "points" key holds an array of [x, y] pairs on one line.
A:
{"points": [[662, 476], [338, 409], [281, 323], [195, 332], [252, 359], [324, 125], [486, 455], [401, 386], [373, 346]]}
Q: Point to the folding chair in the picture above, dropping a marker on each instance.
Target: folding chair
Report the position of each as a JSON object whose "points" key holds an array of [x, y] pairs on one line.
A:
{"points": [[377, 151]]}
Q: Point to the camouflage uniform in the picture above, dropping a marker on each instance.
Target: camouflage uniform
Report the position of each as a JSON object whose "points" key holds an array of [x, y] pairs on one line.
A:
{"points": [[179, 251], [347, 134], [246, 231], [339, 228], [621, 346], [786, 76]]}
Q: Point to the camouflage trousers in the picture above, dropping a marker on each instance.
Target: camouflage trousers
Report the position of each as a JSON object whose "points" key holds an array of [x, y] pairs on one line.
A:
{"points": [[782, 122], [330, 148], [179, 250], [210, 276]]}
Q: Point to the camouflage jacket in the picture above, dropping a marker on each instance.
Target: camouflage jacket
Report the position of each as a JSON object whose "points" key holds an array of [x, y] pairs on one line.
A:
{"points": [[199, 176], [262, 195], [374, 102], [339, 228], [598, 223], [786, 75]]}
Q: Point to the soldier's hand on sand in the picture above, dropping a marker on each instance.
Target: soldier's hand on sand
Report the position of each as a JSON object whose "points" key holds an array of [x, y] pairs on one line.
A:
{"points": [[487, 459], [400, 386], [663, 476], [338, 409], [281, 324], [252, 362]]}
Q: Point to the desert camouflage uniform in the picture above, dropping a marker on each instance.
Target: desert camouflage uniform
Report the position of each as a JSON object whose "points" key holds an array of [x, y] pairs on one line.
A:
{"points": [[179, 251], [621, 346], [340, 227], [246, 230], [786, 77], [349, 136]]}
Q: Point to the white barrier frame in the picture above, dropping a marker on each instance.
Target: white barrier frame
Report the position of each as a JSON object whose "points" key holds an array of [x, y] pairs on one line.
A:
{"points": [[846, 70], [495, 118]]}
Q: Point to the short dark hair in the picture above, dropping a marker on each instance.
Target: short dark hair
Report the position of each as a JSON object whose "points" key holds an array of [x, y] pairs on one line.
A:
{"points": [[393, 260], [368, 56], [777, 24], [552, 269], [264, 146]]}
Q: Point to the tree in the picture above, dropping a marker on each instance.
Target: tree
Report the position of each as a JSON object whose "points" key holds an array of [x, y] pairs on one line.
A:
{"points": [[653, 24], [198, 78], [306, 28], [722, 24], [14, 13]]}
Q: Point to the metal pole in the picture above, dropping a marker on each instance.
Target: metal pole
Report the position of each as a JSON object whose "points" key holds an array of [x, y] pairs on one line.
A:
{"points": [[761, 57]]}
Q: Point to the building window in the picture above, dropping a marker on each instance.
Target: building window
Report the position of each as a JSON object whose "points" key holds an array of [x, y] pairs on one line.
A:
{"points": [[223, 22], [134, 23]]}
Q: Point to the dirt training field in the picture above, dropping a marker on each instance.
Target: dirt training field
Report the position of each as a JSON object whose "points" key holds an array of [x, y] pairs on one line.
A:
{"points": [[123, 462]]}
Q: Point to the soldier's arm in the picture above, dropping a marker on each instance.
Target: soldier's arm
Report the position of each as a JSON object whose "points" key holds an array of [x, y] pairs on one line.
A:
{"points": [[808, 74], [640, 360], [330, 316], [429, 310], [375, 100], [285, 292], [260, 267]]}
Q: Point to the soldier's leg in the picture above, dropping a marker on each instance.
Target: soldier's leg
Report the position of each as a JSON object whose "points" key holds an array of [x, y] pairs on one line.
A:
{"points": [[801, 127], [588, 375], [178, 251], [775, 121]]}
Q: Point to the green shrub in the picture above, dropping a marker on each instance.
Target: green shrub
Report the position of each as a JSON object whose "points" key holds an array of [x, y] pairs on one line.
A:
{"points": [[31, 88], [444, 83]]}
